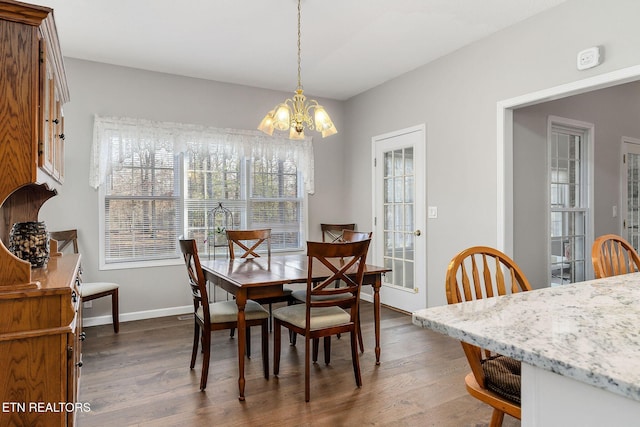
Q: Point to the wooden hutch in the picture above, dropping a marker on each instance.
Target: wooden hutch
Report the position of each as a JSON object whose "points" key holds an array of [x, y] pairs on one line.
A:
{"points": [[40, 325]]}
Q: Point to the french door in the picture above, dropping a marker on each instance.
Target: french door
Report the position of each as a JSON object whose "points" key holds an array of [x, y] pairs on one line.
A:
{"points": [[400, 217], [630, 171]]}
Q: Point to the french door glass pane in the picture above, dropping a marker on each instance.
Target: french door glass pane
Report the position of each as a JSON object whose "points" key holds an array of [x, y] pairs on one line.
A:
{"points": [[399, 216]]}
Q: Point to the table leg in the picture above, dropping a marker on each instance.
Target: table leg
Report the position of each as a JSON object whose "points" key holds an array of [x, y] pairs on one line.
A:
{"points": [[241, 301], [376, 313]]}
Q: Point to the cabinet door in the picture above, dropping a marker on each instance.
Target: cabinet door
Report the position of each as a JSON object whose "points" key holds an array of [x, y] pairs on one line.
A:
{"points": [[51, 129], [57, 137], [47, 151], [33, 372], [60, 147]]}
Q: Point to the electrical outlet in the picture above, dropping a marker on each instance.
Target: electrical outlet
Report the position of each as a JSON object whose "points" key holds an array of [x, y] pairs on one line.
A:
{"points": [[87, 304]]}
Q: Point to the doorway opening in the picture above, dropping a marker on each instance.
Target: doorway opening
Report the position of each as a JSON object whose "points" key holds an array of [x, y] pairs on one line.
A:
{"points": [[504, 218]]}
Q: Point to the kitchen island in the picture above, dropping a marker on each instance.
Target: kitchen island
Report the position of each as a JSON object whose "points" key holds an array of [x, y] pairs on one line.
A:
{"points": [[579, 345]]}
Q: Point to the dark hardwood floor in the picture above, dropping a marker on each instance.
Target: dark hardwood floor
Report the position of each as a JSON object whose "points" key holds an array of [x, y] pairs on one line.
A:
{"points": [[141, 377]]}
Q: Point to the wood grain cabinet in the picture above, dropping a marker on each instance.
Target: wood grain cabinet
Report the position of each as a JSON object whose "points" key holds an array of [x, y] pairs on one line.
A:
{"points": [[40, 324], [40, 348]]}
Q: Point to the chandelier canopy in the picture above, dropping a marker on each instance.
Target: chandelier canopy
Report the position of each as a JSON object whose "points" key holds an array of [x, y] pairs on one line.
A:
{"points": [[295, 113]]}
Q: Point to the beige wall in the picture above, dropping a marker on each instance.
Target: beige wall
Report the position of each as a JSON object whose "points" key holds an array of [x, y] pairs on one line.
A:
{"points": [[119, 91], [454, 96], [615, 113]]}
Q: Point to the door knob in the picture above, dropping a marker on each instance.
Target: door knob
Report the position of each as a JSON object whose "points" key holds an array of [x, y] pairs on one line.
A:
{"points": [[417, 232]]}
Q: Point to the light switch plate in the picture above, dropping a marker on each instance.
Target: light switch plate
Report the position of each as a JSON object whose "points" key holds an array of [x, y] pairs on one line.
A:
{"points": [[432, 212]]}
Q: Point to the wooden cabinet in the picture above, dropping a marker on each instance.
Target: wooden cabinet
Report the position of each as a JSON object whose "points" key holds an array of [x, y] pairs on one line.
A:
{"points": [[40, 325], [33, 90], [40, 347]]}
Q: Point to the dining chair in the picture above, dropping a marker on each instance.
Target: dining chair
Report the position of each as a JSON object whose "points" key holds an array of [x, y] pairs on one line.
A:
{"points": [[249, 242], [612, 255], [90, 290], [300, 295], [333, 232], [476, 273], [216, 316], [327, 310]]}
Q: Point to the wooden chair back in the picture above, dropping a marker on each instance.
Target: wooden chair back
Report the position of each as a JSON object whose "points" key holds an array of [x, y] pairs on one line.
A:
{"points": [[612, 255], [483, 272], [65, 238], [333, 232], [355, 236], [89, 290], [476, 273], [244, 238], [352, 257], [197, 280]]}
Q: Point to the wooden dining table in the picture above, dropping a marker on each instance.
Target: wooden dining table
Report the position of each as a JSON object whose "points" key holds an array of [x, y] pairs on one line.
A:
{"points": [[265, 277]]}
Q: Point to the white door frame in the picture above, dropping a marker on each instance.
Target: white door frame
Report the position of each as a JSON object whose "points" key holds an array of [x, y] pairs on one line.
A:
{"points": [[623, 208], [504, 217], [420, 216]]}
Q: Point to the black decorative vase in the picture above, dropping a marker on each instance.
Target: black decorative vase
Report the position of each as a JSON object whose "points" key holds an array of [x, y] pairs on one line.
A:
{"points": [[30, 241]]}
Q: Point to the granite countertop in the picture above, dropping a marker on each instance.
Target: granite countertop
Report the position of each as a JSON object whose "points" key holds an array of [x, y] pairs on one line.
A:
{"points": [[588, 331]]}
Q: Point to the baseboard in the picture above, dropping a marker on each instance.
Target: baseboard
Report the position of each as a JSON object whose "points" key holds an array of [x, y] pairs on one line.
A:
{"points": [[366, 297], [138, 315], [162, 312]]}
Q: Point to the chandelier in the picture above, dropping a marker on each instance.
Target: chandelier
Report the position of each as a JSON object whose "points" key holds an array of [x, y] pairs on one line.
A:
{"points": [[295, 113]]}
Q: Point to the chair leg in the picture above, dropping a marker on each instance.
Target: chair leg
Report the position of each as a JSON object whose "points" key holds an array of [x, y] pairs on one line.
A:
{"points": [[248, 341], [270, 318], [206, 342], [292, 335], [232, 332], [496, 418], [276, 347], [355, 359], [114, 311], [307, 369], [327, 350], [315, 350], [265, 349], [196, 339], [360, 334]]}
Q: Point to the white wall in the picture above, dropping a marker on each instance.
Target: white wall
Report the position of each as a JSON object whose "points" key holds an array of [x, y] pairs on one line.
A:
{"points": [[119, 91], [615, 113], [456, 97]]}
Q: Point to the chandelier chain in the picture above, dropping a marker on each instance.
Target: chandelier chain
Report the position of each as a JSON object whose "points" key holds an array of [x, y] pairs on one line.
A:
{"points": [[297, 113], [299, 37]]}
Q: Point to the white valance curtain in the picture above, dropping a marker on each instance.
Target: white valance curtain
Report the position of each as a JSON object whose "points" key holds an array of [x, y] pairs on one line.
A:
{"points": [[185, 137]]}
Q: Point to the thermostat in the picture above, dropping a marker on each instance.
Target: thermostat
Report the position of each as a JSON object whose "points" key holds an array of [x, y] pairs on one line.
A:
{"points": [[589, 58]]}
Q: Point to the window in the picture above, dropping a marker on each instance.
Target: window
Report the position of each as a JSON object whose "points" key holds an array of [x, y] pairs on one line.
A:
{"points": [[159, 181], [569, 201], [141, 202], [259, 192]]}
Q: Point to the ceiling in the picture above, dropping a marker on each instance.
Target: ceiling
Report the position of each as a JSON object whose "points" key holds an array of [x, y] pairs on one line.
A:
{"points": [[348, 46]]}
